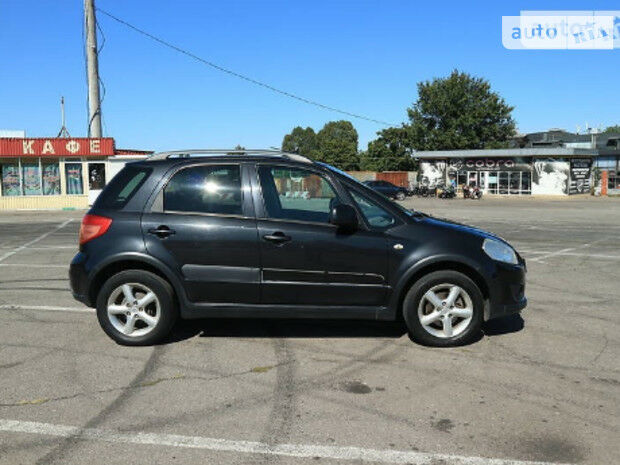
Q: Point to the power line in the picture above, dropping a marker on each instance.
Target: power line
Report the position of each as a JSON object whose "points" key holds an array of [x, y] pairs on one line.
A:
{"points": [[241, 76]]}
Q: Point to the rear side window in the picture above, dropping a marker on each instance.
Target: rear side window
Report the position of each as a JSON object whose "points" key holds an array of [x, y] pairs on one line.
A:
{"points": [[205, 189], [122, 188]]}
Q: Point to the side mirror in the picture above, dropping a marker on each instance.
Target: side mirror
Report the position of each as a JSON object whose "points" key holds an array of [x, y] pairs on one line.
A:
{"points": [[343, 216]]}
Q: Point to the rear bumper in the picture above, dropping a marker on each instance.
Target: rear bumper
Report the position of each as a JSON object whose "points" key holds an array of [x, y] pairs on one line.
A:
{"points": [[506, 291], [78, 278]]}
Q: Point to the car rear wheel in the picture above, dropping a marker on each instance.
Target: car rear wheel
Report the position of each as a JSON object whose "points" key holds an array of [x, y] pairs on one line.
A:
{"points": [[136, 307], [443, 309], [400, 195]]}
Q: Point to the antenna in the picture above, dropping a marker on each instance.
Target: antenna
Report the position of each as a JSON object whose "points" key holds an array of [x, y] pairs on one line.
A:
{"points": [[63, 129]]}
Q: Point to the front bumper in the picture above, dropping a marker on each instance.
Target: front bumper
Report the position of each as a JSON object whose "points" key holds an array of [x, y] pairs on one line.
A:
{"points": [[506, 290], [78, 278]]}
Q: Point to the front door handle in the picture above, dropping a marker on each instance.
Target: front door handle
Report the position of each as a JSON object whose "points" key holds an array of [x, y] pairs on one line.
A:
{"points": [[277, 237], [162, 231]]}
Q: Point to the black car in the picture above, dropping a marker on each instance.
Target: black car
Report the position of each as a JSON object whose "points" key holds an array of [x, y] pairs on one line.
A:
{"points": [[197, 234], [388, 189]]}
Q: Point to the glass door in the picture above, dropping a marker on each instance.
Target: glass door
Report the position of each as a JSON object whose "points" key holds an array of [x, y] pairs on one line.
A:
{"points": [[515, 182], [96, 181], [526, 182], [503, 183]]}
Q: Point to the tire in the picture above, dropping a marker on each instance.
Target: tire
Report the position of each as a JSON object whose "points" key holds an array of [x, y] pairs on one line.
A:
{"points": [[150, 322], [400, 195], [416, 305]]}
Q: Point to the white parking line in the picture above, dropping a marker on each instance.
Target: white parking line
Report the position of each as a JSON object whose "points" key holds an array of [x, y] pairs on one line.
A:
{"points": [[253, 447], [569, 249], [33, 265], [34, 241], [568, 254], [47, 308]]}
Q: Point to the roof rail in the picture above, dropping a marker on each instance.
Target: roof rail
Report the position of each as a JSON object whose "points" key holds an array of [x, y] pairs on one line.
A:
{"points": [[191, 153]]}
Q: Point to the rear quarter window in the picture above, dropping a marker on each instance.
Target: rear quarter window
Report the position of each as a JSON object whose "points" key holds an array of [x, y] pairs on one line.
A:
{"points": [[122, 188]]}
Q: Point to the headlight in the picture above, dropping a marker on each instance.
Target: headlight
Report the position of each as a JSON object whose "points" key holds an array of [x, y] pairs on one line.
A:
{"points": [[499, 251]]}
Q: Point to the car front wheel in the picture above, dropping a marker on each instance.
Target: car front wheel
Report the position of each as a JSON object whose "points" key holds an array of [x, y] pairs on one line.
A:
{"points": [[136, 307], [443, 309], [400, 195]]}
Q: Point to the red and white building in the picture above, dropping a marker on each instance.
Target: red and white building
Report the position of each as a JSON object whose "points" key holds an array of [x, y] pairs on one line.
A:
{"points": [[47, 172]]}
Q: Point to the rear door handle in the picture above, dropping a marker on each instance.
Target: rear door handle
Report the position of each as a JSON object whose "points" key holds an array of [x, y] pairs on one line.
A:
{"points": [[162, 231], [277, 237]]}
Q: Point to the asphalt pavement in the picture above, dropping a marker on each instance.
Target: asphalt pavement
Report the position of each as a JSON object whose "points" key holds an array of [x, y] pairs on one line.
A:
{"points": [[544, 386]]}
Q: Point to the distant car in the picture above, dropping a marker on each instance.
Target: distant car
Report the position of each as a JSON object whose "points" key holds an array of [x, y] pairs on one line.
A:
{"points": [[388, 189], [259, 234]]}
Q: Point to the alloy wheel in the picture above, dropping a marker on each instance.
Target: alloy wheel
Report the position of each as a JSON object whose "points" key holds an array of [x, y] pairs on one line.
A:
{"points": [[133, 309], [445, 310]]}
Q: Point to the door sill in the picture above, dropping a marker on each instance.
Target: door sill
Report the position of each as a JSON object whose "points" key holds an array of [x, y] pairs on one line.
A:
{"points": [[230, 310]]}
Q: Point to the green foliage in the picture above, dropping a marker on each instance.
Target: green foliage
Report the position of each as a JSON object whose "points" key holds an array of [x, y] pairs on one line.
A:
{"points": [[391, 151], [612, 129], [301, 141], [337, 145], [459, 112]]}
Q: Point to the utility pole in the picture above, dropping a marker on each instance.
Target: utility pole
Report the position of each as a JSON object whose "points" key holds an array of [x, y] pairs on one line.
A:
{"points": [[92, 63]]}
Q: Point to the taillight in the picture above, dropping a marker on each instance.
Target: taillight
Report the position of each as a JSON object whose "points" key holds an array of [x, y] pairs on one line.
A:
{"points": [[93, 226]]}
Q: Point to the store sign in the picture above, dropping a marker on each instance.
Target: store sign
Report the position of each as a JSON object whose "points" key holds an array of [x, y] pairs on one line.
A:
{"points": [[580, 170], [488, 164], [56, 147]]}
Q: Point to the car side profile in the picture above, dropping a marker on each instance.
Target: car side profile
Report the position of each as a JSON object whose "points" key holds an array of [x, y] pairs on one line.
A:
{"points": [[388, 189], [260, 234]]}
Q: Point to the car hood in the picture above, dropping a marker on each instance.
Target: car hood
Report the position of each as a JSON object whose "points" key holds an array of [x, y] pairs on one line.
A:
{"points": [[444, 223]]}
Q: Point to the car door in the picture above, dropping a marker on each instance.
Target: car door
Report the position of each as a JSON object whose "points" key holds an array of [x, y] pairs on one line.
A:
{"points": [[305, 260], [202, 225], [385, 188]]}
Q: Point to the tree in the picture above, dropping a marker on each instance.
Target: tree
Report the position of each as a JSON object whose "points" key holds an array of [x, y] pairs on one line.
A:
{"points": [[301, 141], [391, 151], [459, 112], [612, 129], [337, 145]]}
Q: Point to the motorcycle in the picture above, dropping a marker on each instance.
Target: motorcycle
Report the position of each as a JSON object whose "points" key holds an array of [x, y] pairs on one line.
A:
{"points": [[472, 192], [427, 191], [446, 192]]}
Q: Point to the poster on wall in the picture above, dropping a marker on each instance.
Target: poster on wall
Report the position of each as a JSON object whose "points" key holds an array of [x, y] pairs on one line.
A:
{"points": [[51, 179], [73, 172], [31, 179], [432, 173], [550, 176], [10, 179], [580, 169]]}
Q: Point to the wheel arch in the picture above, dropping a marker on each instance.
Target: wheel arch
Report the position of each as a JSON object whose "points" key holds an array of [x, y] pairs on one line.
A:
{"points": [[132, 262], [442, 264]]}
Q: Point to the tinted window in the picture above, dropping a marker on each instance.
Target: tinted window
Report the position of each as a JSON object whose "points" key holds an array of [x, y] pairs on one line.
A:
{"points": [[376, 216], [205, 189], [296, 194], [122, 187]]}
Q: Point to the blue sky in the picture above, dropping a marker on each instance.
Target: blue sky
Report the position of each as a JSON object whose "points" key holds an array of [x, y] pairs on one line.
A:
{"points": [[365, 57]]}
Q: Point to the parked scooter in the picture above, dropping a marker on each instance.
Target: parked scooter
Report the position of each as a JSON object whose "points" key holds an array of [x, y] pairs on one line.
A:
{"points": [[446, 192], [472, 192], [427, 191]]}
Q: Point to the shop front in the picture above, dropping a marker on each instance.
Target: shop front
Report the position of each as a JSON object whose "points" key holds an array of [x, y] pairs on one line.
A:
{"points": [[510, 171], [42, 173]]}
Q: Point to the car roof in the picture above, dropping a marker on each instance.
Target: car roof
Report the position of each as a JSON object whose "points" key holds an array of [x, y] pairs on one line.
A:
{"points": [[243, 154]]}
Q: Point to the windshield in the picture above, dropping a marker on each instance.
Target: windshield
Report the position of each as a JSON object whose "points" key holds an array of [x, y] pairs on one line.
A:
{"points": [[407, 211]]}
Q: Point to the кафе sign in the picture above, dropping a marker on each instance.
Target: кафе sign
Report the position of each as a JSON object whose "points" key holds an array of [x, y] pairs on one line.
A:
{"points": [[56, 147]]}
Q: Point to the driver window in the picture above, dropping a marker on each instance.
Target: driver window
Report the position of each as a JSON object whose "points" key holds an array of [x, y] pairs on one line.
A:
{"points": [[375, 215], [296, 194]]}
